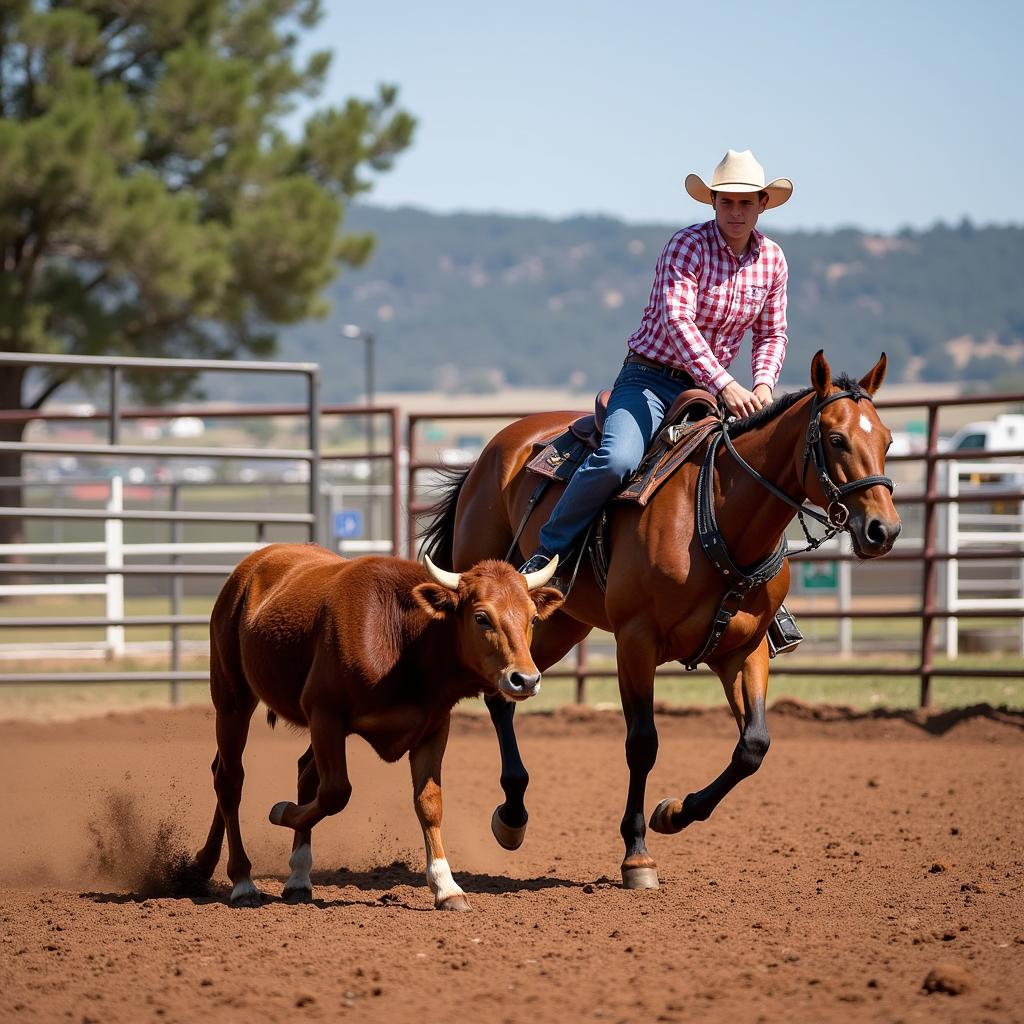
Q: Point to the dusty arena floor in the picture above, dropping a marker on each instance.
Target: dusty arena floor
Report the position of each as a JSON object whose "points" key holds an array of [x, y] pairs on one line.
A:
{"points": [[866, 854]]}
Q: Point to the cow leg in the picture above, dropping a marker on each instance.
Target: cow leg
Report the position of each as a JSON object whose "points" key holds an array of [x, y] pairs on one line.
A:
{"points": [[232, 732], [207, 858], [299, 887], [425, 762], [745, 679], [553, 639], [636, 665], [327, 738]]}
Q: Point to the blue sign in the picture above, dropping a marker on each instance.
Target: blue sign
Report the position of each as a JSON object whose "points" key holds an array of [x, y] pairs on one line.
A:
{"points": [[348, 524]]}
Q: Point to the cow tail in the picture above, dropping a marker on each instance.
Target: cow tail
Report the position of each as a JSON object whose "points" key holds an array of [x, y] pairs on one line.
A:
{"points": [[438, 539]]}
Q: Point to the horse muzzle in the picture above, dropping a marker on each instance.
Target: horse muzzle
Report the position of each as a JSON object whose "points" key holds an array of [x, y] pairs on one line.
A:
{"points": [[874, 536], [516, 685]]}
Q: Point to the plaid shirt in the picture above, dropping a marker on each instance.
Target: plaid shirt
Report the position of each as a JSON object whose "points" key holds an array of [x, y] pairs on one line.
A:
{"points": [[704, 299]]}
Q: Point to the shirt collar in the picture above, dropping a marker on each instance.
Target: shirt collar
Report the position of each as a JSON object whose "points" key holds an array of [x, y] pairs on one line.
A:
{"points": [[753, 249]]}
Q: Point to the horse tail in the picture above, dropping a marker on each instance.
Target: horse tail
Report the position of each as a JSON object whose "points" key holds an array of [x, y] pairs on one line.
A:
{"points": [[438, 539], [271, 718]]}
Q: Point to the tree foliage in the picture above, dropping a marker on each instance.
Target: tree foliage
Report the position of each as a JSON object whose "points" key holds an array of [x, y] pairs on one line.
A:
{"points": [[150, 200]]}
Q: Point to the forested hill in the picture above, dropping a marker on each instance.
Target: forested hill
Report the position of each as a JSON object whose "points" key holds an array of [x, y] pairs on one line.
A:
{"points": [[464, 302]]}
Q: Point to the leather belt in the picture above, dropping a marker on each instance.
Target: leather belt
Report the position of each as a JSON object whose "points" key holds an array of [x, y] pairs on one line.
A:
{"points": [[669, 371]]}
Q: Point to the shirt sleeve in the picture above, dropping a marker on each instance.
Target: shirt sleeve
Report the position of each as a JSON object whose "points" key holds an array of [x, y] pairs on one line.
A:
{"points": [[680, 277], [769, 330]]}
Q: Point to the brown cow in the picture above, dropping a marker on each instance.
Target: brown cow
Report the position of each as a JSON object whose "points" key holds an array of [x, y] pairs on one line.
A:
{"points": [[379, 647]]}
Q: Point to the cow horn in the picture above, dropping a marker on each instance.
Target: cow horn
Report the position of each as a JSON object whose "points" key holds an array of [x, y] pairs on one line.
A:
{"points": [[541, 576], [442, 576]]}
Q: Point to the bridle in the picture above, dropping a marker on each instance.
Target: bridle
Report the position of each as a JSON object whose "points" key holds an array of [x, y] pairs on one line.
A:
{"points": [[743, 579], [836, 516]]}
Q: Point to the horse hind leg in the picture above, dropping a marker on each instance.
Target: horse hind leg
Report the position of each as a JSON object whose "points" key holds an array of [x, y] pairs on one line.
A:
{"points": [[746, 688], [299, 887]]}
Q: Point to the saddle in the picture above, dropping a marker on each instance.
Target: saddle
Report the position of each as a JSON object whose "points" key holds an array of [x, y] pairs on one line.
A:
{"points": [[692, 417]]}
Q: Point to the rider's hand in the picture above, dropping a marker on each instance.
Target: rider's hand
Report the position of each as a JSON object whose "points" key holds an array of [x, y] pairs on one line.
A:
{"points": [[741, 402]]}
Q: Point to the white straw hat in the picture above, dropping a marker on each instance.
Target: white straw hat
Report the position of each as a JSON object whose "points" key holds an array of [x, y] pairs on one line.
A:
{"points": [[739, 172]]}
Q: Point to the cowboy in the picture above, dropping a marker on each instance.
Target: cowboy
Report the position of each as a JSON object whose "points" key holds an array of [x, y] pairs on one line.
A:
{"points": [[713, 281]]}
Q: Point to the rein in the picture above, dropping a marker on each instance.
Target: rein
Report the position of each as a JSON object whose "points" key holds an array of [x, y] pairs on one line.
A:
{"points": [[835, 519]]}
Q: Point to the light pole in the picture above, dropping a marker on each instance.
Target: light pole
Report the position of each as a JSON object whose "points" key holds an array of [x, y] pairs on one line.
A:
{"points": [[355, 331]]}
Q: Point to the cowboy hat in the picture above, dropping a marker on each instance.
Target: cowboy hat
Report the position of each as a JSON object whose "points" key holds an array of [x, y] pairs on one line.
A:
{"points": [[739, 172]]}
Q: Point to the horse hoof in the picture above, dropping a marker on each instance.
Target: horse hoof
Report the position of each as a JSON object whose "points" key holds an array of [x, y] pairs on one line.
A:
{"points": [[456, 902], [508, 837], [661, 820], [639, 877], [296, 895], [277, 812]]}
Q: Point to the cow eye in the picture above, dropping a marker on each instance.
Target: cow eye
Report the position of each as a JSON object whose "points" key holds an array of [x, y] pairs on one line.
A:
{"points": [[535, 620], [482, 619]]}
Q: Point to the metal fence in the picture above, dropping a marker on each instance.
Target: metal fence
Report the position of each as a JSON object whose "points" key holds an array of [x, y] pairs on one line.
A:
{"points": [[929, 497], [311, 524]]}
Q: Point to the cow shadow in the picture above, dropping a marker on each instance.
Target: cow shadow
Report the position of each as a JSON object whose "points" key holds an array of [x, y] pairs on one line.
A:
{"points": [[384, 880]]}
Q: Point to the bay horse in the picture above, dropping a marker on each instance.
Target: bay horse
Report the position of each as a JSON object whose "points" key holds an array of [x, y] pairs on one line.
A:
{"points": [[826, 444], [382, 648]]}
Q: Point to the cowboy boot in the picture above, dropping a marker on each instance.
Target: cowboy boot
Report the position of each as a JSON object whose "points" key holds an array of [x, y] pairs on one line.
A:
{"points": [[783, 634]]}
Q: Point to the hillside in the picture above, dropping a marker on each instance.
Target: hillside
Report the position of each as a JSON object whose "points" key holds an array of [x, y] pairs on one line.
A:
{"points": [[465, 302]]}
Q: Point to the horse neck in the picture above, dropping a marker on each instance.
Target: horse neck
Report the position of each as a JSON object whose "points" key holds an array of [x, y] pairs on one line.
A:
{"points": [[751, 518]]}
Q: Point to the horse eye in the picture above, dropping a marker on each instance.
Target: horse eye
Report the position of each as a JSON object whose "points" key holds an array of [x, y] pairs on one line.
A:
{"points": [[837, 441], [481, 619]]}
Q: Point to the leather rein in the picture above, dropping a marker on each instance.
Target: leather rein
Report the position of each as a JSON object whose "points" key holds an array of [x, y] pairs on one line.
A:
{"points": [[743, 580]]}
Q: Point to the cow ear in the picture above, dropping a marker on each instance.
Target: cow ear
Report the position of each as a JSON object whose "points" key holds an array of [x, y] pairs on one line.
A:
{"points": [[547, 601], [872, 380], [821, 374], [435, 600]]}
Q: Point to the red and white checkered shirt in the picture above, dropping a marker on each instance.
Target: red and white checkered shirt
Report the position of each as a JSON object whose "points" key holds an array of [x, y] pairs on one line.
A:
{"points": [[704, 299]]}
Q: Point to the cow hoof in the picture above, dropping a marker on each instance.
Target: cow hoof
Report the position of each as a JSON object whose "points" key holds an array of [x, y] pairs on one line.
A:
{"points": [[662, 818], [277, 812], [245, 894], [297, 894], [456, 902], [508, 837]]}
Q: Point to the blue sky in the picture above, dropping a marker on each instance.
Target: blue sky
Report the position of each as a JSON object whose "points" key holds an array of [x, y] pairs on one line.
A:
{"points": [[885, 115]]}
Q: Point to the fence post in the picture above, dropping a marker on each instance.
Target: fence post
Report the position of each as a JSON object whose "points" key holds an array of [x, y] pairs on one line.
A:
{"points": [[113, 530], [928, 588], [581, 672], [177, 587]]}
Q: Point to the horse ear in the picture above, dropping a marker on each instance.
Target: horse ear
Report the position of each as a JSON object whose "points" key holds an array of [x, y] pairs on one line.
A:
{"points": [[872, 380], [437, 601], [821, 374]]}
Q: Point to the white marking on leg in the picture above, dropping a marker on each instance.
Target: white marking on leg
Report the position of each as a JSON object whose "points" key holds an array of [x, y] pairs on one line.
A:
{"points": [[244, 889], [301, 862], [865, 424], [439, 878]]}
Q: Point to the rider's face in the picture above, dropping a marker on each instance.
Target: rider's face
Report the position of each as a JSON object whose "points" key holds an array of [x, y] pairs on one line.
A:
{"points": [[736, 214]]}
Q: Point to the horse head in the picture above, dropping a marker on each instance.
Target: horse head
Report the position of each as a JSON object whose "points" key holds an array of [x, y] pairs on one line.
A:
{"points": [[846, 446]]}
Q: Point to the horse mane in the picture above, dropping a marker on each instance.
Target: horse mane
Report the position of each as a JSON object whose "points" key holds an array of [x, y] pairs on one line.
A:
{"points": [[844, 382]]}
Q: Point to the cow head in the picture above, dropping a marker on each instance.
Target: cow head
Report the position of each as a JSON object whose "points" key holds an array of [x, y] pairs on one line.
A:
{"points": [[495, 609]]}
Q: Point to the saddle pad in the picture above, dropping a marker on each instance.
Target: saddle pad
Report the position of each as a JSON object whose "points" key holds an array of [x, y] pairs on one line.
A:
{"points": [[653, 472], [560, 457]]}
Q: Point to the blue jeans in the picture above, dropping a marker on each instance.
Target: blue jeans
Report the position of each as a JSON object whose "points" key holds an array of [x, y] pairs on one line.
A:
{"points": [[640, 400]]}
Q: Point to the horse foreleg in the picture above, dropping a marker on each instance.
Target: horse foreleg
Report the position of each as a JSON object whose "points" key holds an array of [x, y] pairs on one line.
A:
{"points": [[299, 887], [636, 667], [552, 640], [425, 762], [746, 686]]}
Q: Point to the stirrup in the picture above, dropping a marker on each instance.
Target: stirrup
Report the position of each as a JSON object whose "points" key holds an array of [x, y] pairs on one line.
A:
{"points": [[783, 634]]}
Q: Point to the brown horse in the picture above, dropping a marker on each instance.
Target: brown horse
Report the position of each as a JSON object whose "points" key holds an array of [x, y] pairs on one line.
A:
{"points": [[662, 590]]}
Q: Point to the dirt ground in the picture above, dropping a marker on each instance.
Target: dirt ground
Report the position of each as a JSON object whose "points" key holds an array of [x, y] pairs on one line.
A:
{"points": [[870, 851]]}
